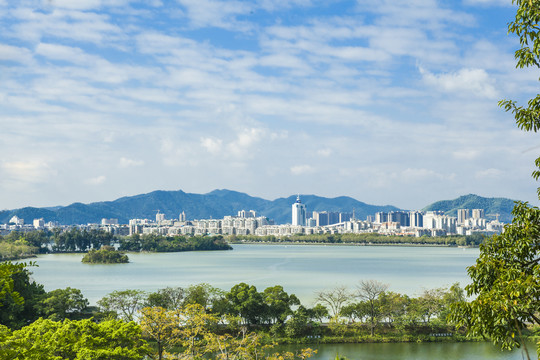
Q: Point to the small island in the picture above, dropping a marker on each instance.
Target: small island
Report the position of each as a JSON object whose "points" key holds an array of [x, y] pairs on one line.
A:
{"points": [[105, 255]]}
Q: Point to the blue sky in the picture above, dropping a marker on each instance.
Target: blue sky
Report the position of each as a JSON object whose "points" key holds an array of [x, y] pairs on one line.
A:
{"points": [[390, 102]]}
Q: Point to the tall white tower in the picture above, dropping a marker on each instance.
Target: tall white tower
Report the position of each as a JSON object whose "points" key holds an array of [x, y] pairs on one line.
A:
{"points": [[299, 213]]}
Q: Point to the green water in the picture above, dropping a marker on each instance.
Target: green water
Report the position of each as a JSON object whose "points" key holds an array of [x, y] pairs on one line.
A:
{"points": [[300, 269], [414, 351]]}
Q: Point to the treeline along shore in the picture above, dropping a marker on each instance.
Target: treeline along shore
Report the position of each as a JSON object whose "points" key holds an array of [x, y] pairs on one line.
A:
{"points": [[199, 321], [361, 239], [20, 245]]}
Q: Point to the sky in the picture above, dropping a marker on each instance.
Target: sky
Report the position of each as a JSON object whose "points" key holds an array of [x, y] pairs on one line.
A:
{"points": [[389, 101]]}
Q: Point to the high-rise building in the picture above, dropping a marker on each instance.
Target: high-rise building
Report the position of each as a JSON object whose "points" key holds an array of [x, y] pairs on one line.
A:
{"points": [[478, 213], [299, 213], [416, 219], [462, 215]]}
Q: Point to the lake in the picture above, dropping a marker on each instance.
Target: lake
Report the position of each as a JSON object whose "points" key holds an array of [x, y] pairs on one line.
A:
{"points": [[300, 269]]}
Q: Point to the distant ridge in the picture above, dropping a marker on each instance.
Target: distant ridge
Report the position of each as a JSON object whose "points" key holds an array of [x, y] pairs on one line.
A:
{"points": [[491, 206], [219, 203], [215, 204]]}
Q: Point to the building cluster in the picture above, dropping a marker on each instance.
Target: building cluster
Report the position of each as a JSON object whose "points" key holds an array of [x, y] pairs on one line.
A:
{"points": [[247, 222]]}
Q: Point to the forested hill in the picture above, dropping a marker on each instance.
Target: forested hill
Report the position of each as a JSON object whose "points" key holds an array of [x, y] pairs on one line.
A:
{"points": [[215, 204], [219, 203], [491, 206]]}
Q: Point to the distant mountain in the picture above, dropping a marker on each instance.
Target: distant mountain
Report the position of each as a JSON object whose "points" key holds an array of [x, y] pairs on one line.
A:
{"points": [[219, 203], [491, 206], [215, 204]]}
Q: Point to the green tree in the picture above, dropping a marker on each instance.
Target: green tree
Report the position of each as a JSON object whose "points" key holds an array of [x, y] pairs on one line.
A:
{"points": [[83, 339], [125, 303], [506, 277], [65, 303], [247, 303], [278, 303], [203, 294], [20, 297], [170, 298], [505, 282], [369, 291]]}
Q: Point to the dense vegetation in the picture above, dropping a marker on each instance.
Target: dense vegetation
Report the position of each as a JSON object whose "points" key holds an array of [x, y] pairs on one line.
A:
{"points": [[105, 255], [17, 245], [363, 239], [160, 243], [203, 320]]}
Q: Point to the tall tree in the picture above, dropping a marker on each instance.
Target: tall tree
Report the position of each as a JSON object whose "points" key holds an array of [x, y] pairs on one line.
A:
{"points": [[506, 277], [370, 291]]}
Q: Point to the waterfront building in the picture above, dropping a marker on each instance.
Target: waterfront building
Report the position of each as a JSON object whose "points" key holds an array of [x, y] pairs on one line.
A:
{"points": [[299, 213]]}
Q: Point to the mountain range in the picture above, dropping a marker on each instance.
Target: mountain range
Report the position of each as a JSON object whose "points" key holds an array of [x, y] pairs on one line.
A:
{"points": [[219, 203]]}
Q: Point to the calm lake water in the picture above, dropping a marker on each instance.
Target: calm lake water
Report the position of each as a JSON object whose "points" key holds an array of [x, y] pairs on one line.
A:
{"points": [[300, 269]]}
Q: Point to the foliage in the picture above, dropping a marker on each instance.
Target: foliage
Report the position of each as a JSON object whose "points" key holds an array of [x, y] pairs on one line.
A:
{"points": [[83, 339], [124, 303], [105, 255], [369, 291], [170, 298], [65, 303], [20, 297], [505, 282], [365, 239], [160, 243], [161, 326]]}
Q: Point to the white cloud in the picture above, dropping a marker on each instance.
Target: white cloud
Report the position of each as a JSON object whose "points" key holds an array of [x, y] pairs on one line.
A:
{"points": [[14, 53], [215, 13], [244, 142], [98, 180], [302, 169], [213, 146], [488, 173], [475, 82], [326, 152], [488, 2], [28, 171], [468, 154], [126, 162], [420, 174]]}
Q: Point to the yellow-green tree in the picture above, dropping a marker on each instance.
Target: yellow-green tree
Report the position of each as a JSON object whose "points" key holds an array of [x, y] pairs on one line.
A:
{"points": [[162, 326]]}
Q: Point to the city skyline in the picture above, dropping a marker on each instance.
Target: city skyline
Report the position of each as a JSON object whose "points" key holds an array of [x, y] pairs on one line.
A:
{"points": [[393, 102]]}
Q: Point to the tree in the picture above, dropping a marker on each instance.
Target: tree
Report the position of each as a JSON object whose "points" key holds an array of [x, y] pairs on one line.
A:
{"points": [[505, 282], [335, 299], [65, 303], [20, 297], [506, 277], [125, 303], [369, 292], [170, 298], [278, 303], [246, 302], [202, 294], [83, 339], [160, 325]]}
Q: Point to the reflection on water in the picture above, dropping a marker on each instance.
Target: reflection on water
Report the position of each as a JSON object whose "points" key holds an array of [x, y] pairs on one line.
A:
{"points": [[414, 351]]}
